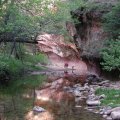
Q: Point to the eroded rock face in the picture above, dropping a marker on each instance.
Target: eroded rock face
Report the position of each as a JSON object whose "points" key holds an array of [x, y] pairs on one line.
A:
{"points": [[59, 52], [55, 44], [90, 33]]}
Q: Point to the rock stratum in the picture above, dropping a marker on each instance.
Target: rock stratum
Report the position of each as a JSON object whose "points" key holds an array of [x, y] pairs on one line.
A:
{"points": [[59, 53]]}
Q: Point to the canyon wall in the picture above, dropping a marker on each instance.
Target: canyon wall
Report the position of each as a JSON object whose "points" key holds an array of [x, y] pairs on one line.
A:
{"points": [[88, 32], [60, 53]]}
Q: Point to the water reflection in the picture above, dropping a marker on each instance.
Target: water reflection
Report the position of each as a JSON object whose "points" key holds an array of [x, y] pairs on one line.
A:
{"points": [[59, 104], [51, 95]]}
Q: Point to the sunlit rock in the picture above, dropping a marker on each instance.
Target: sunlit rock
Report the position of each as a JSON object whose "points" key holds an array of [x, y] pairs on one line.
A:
{"points": [[59, 52], [77, 93], [115, 115], [93, 103], [38, 109]]}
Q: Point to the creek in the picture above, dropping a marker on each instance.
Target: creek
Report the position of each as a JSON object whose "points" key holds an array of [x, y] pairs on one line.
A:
{"points": [[59, 104], [50, 95]]}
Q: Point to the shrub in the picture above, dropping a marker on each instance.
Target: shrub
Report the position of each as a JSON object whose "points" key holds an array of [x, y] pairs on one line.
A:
{"points": [[11, 68], [10, 64], [111, 55]]}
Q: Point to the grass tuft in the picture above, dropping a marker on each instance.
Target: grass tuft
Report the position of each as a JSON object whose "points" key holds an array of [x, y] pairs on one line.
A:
{"points": [[112, 97]]}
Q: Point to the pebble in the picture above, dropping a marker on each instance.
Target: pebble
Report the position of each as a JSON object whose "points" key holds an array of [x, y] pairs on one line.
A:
{"points": [[38, 109], [78, 106], [101, 113], [93, 103], [102, 96], [77, 93], [104, 116], [108, 118]]}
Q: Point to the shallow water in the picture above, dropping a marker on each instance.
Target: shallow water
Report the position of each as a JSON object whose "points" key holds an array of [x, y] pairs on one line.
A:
{"points": [[18, 105], [67, 110], [73, 113], [79, 114]]}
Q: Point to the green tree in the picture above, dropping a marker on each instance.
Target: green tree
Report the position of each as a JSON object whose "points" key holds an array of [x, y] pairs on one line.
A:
{"points": [[23, 21], [112, 21]]}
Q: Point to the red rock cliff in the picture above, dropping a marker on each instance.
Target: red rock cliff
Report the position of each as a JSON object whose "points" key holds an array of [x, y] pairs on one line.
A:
{"points": [[60, 52]]}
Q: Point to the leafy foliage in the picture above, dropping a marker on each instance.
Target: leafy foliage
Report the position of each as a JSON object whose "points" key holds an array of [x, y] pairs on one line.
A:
{"points": [[112, 21], [34, 59], [26, 19], [17, 22], [60, 14], [111, 55], [111, 52], [11, 68], [10, 64]]}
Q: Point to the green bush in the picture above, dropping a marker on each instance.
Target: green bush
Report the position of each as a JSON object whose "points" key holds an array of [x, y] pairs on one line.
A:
{"points": [[14, 67], [111, 55], [10, 64]]}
